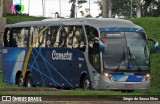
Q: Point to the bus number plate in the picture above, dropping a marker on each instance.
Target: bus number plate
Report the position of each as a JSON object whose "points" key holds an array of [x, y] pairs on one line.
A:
{"points": [[128, 86]]}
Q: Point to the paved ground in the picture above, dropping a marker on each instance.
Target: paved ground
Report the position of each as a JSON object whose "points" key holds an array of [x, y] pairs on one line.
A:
{"points": [[31, 91]]}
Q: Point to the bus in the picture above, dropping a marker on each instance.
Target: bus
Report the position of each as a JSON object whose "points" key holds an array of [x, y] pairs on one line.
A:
{"points": [[100, 53]]}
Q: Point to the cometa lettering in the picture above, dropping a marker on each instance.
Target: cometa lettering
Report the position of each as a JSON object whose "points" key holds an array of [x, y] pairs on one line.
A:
{"points": [[61, 56]]}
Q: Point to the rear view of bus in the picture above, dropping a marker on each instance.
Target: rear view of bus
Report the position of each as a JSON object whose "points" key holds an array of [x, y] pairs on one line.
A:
{"points": [[126, 58]]}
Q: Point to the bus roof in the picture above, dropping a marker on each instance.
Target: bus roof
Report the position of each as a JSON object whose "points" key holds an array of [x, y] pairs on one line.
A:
{"points": [[95, 22]]}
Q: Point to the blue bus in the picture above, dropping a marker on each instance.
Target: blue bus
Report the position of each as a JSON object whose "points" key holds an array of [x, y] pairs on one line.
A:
{"points": [[77, 53]]}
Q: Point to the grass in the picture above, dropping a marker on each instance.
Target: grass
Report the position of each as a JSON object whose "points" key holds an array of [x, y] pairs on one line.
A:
{"points": [[152, 28], [15, 19]]}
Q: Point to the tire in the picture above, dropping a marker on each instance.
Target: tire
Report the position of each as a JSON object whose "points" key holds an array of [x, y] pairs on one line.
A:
{"points": [[20, 80], [86, 83], [28, 82]]}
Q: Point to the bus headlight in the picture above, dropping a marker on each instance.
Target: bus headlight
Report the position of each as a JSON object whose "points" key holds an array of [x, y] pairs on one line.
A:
{"points": [[109, 76], [146, 77]]}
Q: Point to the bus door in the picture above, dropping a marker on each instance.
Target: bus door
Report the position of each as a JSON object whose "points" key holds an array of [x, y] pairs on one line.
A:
{"points": [[93, 55]]}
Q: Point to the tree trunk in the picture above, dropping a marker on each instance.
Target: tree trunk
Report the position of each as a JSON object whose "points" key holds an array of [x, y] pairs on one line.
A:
{"points": [[104, 8], [110, 8], [7, 7], [138, 8]]}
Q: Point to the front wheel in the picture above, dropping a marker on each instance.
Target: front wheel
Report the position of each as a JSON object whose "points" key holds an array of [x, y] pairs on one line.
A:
{"points": [[86, 83], [29, 80]]}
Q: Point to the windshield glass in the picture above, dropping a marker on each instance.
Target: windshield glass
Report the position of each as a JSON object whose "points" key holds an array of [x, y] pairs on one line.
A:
{"points": [[125, 50]]}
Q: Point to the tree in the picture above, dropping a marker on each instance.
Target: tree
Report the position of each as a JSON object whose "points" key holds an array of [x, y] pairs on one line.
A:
{"points": [[104, 9], [151, 8], [145, 6], [118, 7], [123, 8], [73, 7]]}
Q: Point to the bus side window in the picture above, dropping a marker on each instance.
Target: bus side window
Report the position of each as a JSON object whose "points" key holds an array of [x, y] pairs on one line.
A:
{"points": [[31, 33], [69, 39], [23, 38], [6, 38], [48, 37], [79, 41], [42, 37], [58, 35], [14, 37], [63, 36]]}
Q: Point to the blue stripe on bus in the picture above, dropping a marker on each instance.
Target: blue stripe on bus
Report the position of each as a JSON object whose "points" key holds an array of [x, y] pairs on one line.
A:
{"points": [[127, 29], [128, 78]]}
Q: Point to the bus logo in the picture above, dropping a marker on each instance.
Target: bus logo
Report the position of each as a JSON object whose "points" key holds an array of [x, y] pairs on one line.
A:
{"points": [[61, 56], [17, 8], [6, 98]]}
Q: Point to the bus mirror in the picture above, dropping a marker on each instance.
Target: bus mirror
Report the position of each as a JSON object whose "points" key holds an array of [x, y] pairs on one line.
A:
{"points": [[100, 44], [156, 45], [101, 47]]}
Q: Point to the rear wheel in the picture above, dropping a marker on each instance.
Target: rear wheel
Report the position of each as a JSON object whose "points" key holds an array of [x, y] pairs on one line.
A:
{"points": [[86, 83], [20, 81], [29, 80]]}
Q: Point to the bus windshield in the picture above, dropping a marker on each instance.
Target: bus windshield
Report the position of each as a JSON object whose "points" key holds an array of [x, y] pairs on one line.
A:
{"points": [[125, 51]]}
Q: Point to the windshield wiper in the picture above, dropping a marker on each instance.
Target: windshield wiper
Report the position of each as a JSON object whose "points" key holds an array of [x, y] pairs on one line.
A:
{"points": [[123, 58], [132, 58]]}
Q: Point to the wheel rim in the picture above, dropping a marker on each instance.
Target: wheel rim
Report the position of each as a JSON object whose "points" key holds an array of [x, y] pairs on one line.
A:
{"points": [[86, 84], [29, 82], [20, 81]]}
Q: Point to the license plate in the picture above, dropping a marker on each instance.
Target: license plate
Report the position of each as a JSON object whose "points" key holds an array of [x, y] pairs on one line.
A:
{"points": [[128, 86]]}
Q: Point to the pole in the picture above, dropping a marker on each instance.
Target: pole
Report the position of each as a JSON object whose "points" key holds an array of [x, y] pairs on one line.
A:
{"points": [[44, 8], [28, 6], [60, 8], [89, 7], [104, 8], [131, 9]]}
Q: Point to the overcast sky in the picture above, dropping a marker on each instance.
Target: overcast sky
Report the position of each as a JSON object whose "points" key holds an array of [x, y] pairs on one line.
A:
{"points": [[52, 6]]}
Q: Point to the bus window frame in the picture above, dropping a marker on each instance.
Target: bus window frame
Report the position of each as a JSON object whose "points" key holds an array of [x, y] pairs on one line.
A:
{"points": [[100, 70]]}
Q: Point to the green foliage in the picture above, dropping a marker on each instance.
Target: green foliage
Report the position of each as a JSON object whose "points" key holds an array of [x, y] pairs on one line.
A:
{"points": [[123, 8], [15, 19], [152, 28]]}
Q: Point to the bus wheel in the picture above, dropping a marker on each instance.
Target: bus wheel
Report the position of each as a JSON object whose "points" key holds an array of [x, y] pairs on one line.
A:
{"points": [[29, 80], [20, 81], [86, 83]]}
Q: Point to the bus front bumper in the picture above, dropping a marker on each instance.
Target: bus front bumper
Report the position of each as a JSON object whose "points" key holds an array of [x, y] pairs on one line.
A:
{"points": [[108, 84]]}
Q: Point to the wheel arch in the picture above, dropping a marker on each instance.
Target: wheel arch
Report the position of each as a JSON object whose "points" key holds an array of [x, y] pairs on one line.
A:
{"points": [[27, 73], [83, 75], [19, 72]]}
